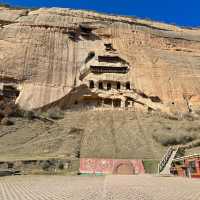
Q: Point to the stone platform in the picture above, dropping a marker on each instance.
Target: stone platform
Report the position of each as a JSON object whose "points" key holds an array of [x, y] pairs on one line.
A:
{"points": [[137, 187]]}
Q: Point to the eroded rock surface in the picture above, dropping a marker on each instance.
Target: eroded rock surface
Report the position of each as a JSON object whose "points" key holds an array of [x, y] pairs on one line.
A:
{"points": [[44, 51]]}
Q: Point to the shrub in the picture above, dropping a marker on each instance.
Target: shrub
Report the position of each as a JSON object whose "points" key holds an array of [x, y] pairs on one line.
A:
{"points": [[180, 153], [174, 117], [25, 114], [193, 144], [46, 165], [75, 131], [7, 122], [174, 138], [16, 111], [61, 165], [189, 117], [151, 166], [55, 113], [1, 115], [9, 109]]}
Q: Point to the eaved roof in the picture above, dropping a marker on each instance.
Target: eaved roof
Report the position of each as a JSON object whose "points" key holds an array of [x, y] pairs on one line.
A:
{"points": [[95, 62]]}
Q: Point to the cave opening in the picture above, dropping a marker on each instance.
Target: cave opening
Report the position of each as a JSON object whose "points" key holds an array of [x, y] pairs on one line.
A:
{"points": [[155, 99], [101, 85], [10, 91], [108, 86], [108, 102], [128, 85], [85, 30], [117, 103], [118, 86], [91, 84]]}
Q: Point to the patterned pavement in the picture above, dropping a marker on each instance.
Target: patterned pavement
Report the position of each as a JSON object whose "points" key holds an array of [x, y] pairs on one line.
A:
{"points": [[142, 187]]}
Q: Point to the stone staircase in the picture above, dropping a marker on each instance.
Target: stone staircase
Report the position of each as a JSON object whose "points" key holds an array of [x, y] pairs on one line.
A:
{"points": [[165, 163]]}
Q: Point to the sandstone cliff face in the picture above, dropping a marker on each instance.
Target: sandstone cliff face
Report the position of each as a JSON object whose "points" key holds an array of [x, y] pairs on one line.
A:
{"points": [[44, 51]]}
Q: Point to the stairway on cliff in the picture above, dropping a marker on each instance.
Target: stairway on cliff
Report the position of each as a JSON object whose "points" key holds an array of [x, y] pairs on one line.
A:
{"points": [[166, 162]]}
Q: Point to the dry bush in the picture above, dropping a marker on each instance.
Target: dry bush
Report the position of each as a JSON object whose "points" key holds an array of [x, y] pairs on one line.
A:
{"points": [[180, 152], [189, 117], [10, 109], [168, 139], [25, 114], [48, 165], [61, 165], [55, 113], [174, 116], [193, 129], [192, 144], [7, 122], [75, 131], [197, 112], [7, 108]]}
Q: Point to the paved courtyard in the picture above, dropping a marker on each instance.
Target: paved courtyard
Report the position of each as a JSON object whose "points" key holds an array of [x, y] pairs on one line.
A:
{"points": [[101, 188]]}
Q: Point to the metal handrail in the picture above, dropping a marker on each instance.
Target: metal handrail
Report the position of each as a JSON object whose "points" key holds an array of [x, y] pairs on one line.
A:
{"points": [[165, 159]]}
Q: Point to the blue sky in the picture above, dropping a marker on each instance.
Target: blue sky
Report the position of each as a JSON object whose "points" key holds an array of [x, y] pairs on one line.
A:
{"points": [[180, 12]]}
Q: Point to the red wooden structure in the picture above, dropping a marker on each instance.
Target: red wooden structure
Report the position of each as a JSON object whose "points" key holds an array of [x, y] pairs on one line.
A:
{"points": [[187, 166]]}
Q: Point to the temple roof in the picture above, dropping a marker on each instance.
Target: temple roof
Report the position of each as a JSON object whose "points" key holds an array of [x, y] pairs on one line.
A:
{"points": [[104, 60]]}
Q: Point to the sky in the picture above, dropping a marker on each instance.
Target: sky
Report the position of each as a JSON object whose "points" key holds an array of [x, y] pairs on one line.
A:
{"points": [[179, 12]]}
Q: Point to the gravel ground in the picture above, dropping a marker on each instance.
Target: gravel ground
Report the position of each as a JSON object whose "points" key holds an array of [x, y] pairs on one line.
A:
{"points": [[142, 187]]}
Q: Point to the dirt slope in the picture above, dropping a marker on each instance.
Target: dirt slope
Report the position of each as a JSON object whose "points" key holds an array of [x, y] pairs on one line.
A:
{"points": [[104, 134], [42, 52]]}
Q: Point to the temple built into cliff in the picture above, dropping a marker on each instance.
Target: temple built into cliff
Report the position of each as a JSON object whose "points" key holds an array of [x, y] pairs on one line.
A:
{"points": [[81, 59], [105, 74]]}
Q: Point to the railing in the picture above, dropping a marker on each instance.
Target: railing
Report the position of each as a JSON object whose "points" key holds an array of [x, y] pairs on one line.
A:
{"points": [[165, 159], [107, 69]]}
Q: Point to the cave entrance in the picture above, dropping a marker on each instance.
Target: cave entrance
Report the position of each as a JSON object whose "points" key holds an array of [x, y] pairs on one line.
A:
{"points": [[108, 86], [108, 102], [128, 85], [101, 85], [129, 103], [85, 29], [10, 91], [118, 86], [117, 103], [91, 84]]}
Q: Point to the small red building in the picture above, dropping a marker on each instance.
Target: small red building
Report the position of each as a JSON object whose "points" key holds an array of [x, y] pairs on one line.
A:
{"points": [[187, 166], [111, 166]]}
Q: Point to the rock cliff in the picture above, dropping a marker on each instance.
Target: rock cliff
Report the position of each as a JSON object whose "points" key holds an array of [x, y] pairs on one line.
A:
{"points": [[44, 50]]}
